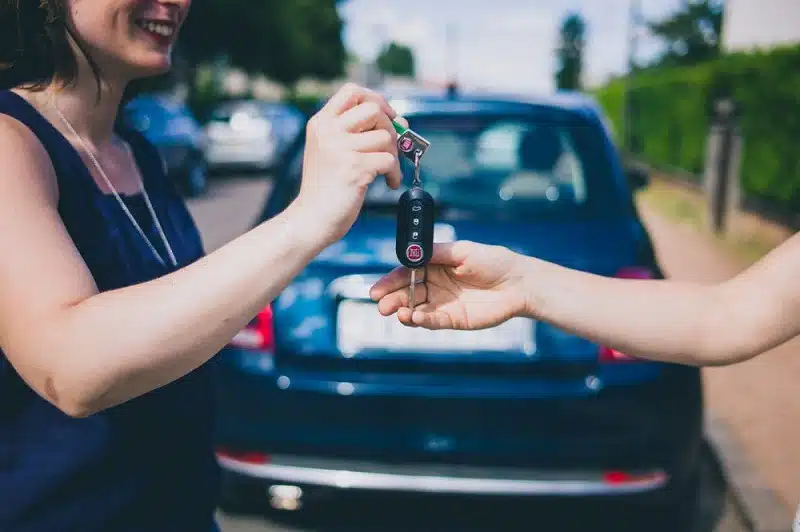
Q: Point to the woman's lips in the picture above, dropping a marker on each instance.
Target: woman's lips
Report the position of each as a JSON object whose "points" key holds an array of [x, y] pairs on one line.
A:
{"points": [[161, 31]]}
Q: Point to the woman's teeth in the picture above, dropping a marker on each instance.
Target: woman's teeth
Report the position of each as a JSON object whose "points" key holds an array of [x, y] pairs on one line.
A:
{"points": [[164, 30]]}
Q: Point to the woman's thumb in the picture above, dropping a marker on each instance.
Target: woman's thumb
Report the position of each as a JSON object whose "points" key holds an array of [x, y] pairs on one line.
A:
{"points": [[450, 253]]}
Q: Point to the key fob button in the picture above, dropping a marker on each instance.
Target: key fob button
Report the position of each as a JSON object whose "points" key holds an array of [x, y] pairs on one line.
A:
{"points": [[414, 253], [414, 238]]}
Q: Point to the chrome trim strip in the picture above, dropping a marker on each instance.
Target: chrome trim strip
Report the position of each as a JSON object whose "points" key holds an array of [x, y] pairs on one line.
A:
{"points": [[438, 484]]}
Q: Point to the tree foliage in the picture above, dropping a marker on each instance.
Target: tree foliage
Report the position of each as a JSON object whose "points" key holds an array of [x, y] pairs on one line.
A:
{"points": [[692, 34], [283, 40], [572, 41], [396, 59]]}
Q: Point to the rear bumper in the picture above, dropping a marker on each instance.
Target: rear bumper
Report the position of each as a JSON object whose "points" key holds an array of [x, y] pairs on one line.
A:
{"points": [[457, 481], [321, 431]]}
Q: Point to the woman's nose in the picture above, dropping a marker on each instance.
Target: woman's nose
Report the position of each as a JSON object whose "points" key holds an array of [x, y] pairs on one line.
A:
{"points": [[181, 6]]}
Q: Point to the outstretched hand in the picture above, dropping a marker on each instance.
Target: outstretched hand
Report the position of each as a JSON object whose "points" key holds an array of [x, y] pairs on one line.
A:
{"points": [[466, 286]]}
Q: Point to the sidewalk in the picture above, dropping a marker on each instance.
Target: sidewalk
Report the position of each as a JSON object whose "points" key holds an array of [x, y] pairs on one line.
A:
{"points": [[758, 400]]}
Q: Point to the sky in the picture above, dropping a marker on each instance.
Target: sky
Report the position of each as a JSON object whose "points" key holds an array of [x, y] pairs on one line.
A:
{"points": [[503, 45]]}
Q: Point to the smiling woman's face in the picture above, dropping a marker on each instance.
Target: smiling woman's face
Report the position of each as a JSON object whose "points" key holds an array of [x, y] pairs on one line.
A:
{"points": [[128, 38]]}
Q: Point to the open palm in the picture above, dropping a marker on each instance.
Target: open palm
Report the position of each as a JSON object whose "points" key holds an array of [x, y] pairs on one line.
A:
{"points": [[467, 286]]}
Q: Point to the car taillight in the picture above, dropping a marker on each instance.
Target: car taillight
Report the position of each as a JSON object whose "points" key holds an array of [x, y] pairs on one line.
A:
{"points": [[259, 334], [247, 457], [606, 354], [635, 272]]}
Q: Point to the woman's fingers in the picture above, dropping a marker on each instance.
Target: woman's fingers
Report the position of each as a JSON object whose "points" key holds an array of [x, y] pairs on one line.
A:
{"points": [[379, 163], [427, 317], [391, 303], [393, 174], [395, 280], [401, 298], [351, 95], [363, 117], [434, 320], [450, 253], [378, 140], [393, 296], [372, 131]]}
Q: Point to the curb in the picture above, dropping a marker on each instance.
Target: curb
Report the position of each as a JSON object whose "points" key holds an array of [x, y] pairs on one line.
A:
{"points": [[758, 504]]}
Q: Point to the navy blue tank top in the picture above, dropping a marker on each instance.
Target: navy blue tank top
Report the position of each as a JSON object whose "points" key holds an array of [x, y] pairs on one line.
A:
{"points": [[145, 465]]}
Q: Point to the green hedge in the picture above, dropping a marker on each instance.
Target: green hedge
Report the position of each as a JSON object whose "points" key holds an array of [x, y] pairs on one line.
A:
{"points": [[671, 112]]}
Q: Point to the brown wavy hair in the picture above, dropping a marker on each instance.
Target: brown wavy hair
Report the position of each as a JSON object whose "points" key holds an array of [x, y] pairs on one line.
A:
{"points": [[35, 48]]}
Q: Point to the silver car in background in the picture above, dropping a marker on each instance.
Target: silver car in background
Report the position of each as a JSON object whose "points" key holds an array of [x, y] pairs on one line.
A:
{"points": [[250, 134]]}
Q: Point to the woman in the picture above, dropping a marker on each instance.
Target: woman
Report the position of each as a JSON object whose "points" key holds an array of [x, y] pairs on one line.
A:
{"points": [[474, 286], [109, 309]]}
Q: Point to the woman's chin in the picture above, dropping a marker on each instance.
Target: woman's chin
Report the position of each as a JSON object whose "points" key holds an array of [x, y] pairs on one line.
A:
{"points": [[151, 67], [145, 60]]}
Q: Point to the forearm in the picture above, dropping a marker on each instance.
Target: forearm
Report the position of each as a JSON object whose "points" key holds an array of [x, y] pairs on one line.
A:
{"points": [[126, 342], [659, 320], [96, 350]]}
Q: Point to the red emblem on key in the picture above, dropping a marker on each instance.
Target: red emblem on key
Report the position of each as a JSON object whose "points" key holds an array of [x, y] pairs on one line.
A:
{"points": [[414, 252]]}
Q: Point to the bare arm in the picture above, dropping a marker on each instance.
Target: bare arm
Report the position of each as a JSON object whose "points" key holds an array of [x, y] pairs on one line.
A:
{"points": [[85, 351], [673, 321], [473, 286]]}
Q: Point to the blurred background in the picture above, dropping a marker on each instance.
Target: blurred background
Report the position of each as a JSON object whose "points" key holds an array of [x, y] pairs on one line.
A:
{"points": [[698, 102]]}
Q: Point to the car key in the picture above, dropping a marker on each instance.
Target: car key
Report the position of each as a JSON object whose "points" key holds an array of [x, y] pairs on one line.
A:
{"points": [[414, 243], [410, 143]]}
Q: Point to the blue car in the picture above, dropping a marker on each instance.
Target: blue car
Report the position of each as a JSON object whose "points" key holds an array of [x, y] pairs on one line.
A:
{"points": [[320, 392], [177, 135]]}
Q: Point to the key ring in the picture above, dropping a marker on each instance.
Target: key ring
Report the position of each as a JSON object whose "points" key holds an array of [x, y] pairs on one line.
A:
{"points": [[415, 213]]}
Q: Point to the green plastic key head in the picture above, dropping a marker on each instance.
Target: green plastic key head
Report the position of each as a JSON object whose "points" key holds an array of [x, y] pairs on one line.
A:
{"points": [[400, 128], [410, 143]]}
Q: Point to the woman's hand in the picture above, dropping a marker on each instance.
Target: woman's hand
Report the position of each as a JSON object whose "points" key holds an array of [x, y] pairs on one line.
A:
{"points": [[187, 316], [349, 142], [473, 286], [467, 286]]}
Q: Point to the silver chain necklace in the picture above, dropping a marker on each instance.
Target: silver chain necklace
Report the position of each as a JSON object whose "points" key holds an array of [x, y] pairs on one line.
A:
{"points": [[119, 198]]}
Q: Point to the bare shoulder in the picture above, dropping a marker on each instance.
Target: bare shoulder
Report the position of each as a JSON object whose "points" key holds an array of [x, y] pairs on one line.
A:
{"points": [[44, 273], [27, 166]]}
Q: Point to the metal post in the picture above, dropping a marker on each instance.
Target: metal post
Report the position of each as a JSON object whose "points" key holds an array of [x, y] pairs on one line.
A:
{"points": [[723, 155], [451, 59], [634, 15]]}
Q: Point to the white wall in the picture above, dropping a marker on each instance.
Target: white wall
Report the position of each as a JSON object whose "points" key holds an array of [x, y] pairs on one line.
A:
{"points": [[750, 24]]}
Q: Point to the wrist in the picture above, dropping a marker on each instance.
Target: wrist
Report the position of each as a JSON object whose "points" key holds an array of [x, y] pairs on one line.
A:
{"points": [[526, 270], [305, 228]]}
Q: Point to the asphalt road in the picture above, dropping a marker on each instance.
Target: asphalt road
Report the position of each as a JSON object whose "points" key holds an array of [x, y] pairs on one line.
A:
{"points": [[230, 208]]}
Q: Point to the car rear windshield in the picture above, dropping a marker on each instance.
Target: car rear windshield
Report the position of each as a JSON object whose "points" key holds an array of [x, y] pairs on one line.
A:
{"points": [[509, 166], [500, 167]]}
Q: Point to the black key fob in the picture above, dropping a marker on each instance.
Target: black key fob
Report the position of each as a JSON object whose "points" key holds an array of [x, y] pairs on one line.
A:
{"points": [[414, 244]]}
